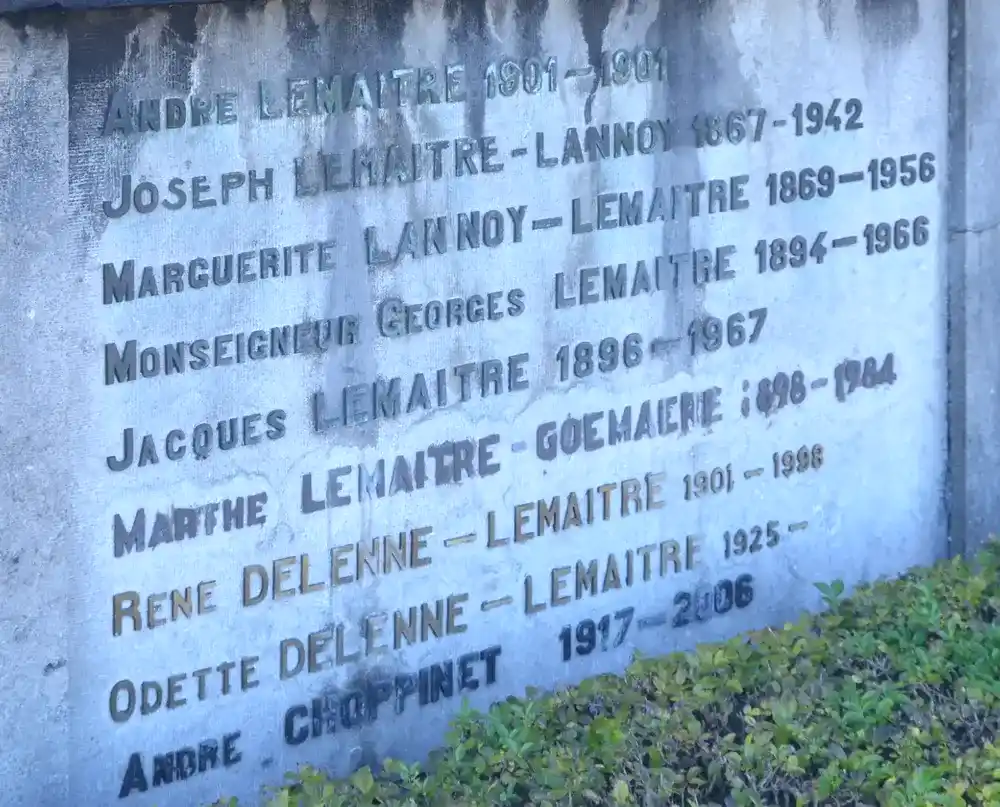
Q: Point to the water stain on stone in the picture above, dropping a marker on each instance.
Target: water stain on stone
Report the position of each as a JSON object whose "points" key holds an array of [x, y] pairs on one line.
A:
{"points": [[94, 59], [594, 18], [475, 47], [42, 20], [301, 27], [182, 23], [703, 73], [470, 15], [530, 14], [826, 14], [890, 23], [94, 66], [390, 19], [104, 56]]}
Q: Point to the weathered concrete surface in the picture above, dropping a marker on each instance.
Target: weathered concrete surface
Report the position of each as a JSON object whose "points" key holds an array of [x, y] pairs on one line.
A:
{"points": [[974, 290], [874, 506]]}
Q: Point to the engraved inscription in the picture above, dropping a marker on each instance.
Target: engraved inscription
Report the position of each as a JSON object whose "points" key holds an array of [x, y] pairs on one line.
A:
{"points": [[347, 643], [623, 281], [706, 602], [436, 236], [342, 565], [127, 116], [605, 633], [608, 211], [131, 609], [180, 764], [174, 691], [394, 207], [133, 362], [364, 705], [395, 165], [390, 399], [578, 509], [151, 530], [396, 318], [675, 414], [204, 438], [590, 578], [128, 284], [433, 466], [196, 192], [337, 94]]}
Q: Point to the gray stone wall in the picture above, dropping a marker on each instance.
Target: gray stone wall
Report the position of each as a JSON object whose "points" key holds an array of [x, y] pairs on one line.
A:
{"points": [[365, 358]]}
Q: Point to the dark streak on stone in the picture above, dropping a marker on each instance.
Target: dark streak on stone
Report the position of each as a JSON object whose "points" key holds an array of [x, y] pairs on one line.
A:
{"points": [[94, 59], [11, 8], [47, 20], [530, 14], [703, 74], [475, 48], [390, 19], [181, 36], [240, 9], [182, 21], [594, 18], [52, 666], [302, 28], [364, 681], [701, 60], [471, 14], [890, 23], [96, 43], [826, 16], [358, 37]]}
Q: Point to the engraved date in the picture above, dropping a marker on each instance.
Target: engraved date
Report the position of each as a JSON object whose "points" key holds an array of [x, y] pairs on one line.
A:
{"points": [[643, 65], [907, 170], [708, 483], [785, 187], [709, 334], [584, 358], [508, 77], [751, 541], [789, 463], [780, 391], [791, 389], [899, 235], [706, 601], [815, 117], [794, 252], [853, 374], [733, 127], [589, 635]]}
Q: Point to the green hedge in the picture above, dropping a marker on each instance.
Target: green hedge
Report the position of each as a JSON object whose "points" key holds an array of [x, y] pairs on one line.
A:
{"points": [[891, 697]]}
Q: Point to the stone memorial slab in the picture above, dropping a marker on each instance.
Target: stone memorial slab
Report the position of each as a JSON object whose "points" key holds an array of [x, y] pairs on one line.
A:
{"points": [[367, 359]]}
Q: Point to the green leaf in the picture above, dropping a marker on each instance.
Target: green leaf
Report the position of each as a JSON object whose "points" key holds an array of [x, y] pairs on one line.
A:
{"points": [[620, 793], [363, 780]]}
